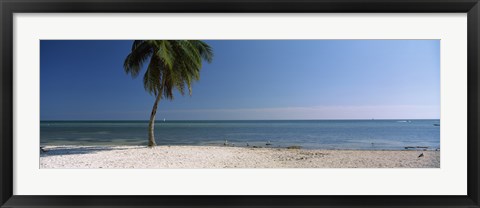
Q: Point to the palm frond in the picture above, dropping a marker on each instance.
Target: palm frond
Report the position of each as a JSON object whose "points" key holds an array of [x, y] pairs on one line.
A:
{"points": [[165, 53], [152, 77], [173, 64], [205, 50], [134, 61], [136, 43]]}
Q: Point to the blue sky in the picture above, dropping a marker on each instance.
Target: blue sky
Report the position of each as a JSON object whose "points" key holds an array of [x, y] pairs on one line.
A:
{"points": [[250, 79]]}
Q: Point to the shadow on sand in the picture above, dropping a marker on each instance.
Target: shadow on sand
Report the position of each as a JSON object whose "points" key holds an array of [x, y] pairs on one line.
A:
{"points": [[70, 150]]}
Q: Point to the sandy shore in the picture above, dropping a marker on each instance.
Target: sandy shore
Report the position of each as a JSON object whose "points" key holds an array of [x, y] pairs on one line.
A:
{"points": [[229, 157]]}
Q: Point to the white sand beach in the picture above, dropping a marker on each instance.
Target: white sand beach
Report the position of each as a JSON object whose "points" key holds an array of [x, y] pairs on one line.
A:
{"points": [[230, 157]]}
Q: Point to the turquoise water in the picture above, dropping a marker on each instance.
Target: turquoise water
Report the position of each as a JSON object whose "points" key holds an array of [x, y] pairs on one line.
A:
{"points": [[309, 134]]}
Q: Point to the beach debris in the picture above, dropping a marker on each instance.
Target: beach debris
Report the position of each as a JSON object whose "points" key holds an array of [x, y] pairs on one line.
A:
{"points": [[256, 147], [43, 150], [268, 143], [417, 147], [421, 155], [294, 147]]}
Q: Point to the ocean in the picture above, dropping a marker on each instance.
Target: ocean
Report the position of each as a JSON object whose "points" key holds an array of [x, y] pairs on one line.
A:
{"points": [[308, 134]]}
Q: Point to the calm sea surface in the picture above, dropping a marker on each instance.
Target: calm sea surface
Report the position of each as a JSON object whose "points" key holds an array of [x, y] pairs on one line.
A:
{"points": [[309, 134]]}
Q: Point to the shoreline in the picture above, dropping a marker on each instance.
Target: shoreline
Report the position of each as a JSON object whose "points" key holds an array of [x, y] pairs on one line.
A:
{"points": [[298, 147], [192, 157]]}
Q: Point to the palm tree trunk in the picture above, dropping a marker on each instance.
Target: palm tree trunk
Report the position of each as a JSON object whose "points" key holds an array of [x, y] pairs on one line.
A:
{"points": [[151, 124]]}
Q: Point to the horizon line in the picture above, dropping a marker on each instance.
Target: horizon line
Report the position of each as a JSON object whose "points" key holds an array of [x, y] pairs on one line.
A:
{"points": [[367, 119]]}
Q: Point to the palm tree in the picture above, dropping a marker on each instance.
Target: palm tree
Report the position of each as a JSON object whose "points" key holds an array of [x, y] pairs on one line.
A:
{"points": [[172, 64]]}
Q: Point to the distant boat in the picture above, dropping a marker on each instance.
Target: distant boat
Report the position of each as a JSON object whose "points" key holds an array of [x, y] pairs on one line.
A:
{"points": [[436, 124]]}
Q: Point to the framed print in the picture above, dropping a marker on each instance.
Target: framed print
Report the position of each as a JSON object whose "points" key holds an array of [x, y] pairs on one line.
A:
{"points": [[239, 104]]}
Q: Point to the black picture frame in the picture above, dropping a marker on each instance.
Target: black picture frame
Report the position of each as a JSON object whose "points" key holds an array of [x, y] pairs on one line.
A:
{"points": [[9, 7]]}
